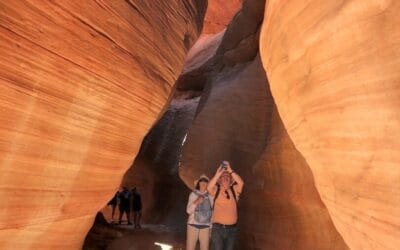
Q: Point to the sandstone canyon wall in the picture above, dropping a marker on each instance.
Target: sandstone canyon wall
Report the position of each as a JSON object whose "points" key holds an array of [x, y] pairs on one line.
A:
{"points": [[237, 120], [219, 14], [334, 72], [81, 83]]}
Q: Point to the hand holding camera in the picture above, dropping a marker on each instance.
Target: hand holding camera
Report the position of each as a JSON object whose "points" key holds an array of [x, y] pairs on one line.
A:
{"points": [[199, 199], [224, 166]]}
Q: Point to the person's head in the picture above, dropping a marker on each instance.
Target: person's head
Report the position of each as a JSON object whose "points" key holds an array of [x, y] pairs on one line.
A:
{"points": [[201, 183], [133, 190], [225, 179], [124, 188]]}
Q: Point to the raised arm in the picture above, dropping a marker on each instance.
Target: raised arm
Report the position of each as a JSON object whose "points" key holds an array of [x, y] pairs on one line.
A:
{"points": [[236, 178], [214, 179]]}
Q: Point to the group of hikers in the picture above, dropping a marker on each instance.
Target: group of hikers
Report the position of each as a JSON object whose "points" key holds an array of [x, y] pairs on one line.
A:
{"points": [[127, 201], [212, 209]]}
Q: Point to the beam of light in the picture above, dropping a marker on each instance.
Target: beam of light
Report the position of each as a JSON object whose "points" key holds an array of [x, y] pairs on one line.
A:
{"points": [[163, 246]]}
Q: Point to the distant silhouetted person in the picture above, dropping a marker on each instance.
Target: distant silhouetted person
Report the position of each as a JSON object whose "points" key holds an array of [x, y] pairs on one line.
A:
{"points": [[124, 204], [113, 203], [136, 207]]}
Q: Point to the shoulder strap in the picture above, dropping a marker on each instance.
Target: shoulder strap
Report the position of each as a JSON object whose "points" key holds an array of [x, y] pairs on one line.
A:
{"points": [[234, 193], [216, 195]]}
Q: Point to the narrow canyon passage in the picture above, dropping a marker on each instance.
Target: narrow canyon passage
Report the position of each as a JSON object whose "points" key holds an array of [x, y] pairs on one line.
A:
{"points": [[223, 109], [301, 96]]}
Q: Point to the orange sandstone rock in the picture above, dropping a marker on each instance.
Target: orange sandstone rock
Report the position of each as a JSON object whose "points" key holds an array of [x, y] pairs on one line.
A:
{"points": [[219, 14], [334, 71], [81, 83]]}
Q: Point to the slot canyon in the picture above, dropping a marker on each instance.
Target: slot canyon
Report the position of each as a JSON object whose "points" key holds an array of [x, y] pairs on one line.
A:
{"points": [[302, 98]]}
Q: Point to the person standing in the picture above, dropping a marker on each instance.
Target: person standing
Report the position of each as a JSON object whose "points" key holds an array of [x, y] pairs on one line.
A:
{"points": [[124, 205], [113, 203], [199, 209], [225, 188], [136, 207]]}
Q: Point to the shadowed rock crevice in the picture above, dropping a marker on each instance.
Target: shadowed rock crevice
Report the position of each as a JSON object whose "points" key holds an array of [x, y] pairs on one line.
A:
{"points": [[155, 170], [155, 174]]}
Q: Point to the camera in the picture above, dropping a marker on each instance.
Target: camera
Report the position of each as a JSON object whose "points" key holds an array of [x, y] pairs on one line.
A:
{"points": [[223, 166]]}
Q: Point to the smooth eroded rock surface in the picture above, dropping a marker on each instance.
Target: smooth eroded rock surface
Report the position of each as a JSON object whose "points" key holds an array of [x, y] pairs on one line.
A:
{"points": [[219, 14], [81, 83], [334, 71]]}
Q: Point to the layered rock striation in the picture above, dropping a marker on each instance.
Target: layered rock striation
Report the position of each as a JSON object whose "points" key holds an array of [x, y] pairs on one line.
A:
{"points": [[81, 83], [219, 14], [334, 72]]}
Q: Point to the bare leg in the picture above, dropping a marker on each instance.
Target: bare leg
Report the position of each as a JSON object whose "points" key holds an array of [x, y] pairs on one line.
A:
{"points": [[121, 212], [128, 216], [113, 212], [135, 214], [138, 219], [192, 235]]}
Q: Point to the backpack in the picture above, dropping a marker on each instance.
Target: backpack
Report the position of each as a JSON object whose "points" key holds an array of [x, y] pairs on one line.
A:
{"points": [[124, 198], [203, 211]]}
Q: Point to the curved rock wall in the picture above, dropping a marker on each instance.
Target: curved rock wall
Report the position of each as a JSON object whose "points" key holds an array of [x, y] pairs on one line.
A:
{"points": [[81, 83], [334, 71], [281, 197]]}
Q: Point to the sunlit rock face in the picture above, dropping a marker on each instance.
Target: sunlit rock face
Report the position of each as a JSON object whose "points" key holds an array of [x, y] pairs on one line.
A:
{"points": [[81, 83], [211, 53], [280, 193], [334, 71], [219, 14], [237, 121]]}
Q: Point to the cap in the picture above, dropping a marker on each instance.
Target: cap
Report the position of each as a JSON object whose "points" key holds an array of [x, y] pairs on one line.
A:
{"points": [[202, 177]]}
